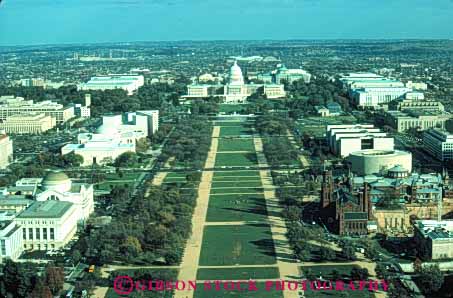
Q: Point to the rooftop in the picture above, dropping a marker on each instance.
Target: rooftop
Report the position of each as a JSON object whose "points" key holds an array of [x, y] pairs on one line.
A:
{"points": [[46, 209]]}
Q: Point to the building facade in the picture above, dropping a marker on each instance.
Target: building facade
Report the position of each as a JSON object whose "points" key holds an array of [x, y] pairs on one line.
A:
{"points": [[434, 239], [129, 83], [367, 162], [415, 119], [345, 139], [235, 90], [439, 143], [11, 242], [345, 211], [11, 106], [47, 225], [27, 124], [6, 150], [117, 135]]}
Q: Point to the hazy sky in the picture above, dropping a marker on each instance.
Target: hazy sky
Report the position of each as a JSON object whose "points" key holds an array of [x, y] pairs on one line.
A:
{"points": [[75, 21]]}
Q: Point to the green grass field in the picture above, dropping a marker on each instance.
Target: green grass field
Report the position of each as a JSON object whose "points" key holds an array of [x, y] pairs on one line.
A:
{"points": [[236, 145], [230, 245], [236, 208], [242, 273], [248, 190], [237, 178], [261, 293], [222, 174], [246, 183], [176, 175], [226, 131], [235, 159]]}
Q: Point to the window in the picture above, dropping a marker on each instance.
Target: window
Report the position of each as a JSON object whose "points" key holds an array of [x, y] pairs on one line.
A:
{"points": [[44, 233], [30, 233], [3, 247], [24, 233], [38, 234], [52, 234]]}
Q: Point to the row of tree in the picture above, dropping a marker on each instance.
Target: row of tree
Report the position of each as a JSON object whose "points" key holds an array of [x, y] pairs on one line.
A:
{"points": [[154, 227], [19, 280]]}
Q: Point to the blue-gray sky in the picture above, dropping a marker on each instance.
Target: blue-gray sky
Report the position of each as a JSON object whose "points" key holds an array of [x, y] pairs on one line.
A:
{"points": [[25, 22]]}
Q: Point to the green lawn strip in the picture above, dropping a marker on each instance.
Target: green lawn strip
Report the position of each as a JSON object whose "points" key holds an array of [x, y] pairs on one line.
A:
{"points": [[219, 174], [236, 159], [243, 273], [236, 184], [235, 190], [261, 293], [108, 185], [177, 174], [236, 178], [236, 208], [245, 245], [226, 131], [236, 145]]}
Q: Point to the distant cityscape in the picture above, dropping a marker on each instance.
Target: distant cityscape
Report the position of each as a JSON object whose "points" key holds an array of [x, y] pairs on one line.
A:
{"points": [[242, 160]]}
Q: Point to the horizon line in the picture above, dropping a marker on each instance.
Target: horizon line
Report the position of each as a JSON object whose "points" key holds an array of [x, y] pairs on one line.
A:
{"points": [[224, 40]]}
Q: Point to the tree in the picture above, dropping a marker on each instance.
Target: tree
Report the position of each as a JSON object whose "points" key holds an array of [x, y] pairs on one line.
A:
{"points": [[371, 252], [335, 275], [41, 291], [327, 254], [431, 278], [348, 252], [127, 159], [359, 273], [55, 279], [381, 271], [142, 145], [76, 256]]}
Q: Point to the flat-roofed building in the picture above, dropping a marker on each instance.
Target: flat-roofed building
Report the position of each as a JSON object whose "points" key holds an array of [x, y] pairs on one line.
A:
{"points": [[416, 119], [345, 139], [129, 83], [434, 238], [372, 90], [47, 225], [439, 143], [10, 105], [14, 203], [11, 242], [33, 123], [117, 135], [6, 150], [374, 96], [410, 104], [274, 91]]}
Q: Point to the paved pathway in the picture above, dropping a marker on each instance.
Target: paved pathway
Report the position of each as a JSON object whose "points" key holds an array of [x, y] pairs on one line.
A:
{"points": [[287, 264], [192, 251], [303, 159]]}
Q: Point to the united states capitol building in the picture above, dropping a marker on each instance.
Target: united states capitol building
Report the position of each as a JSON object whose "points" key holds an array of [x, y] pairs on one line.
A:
{"points": [[236, 90]]}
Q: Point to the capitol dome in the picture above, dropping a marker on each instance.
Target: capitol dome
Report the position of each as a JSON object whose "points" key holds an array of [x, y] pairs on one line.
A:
{"points": [[236, 76], [57, 181]]}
